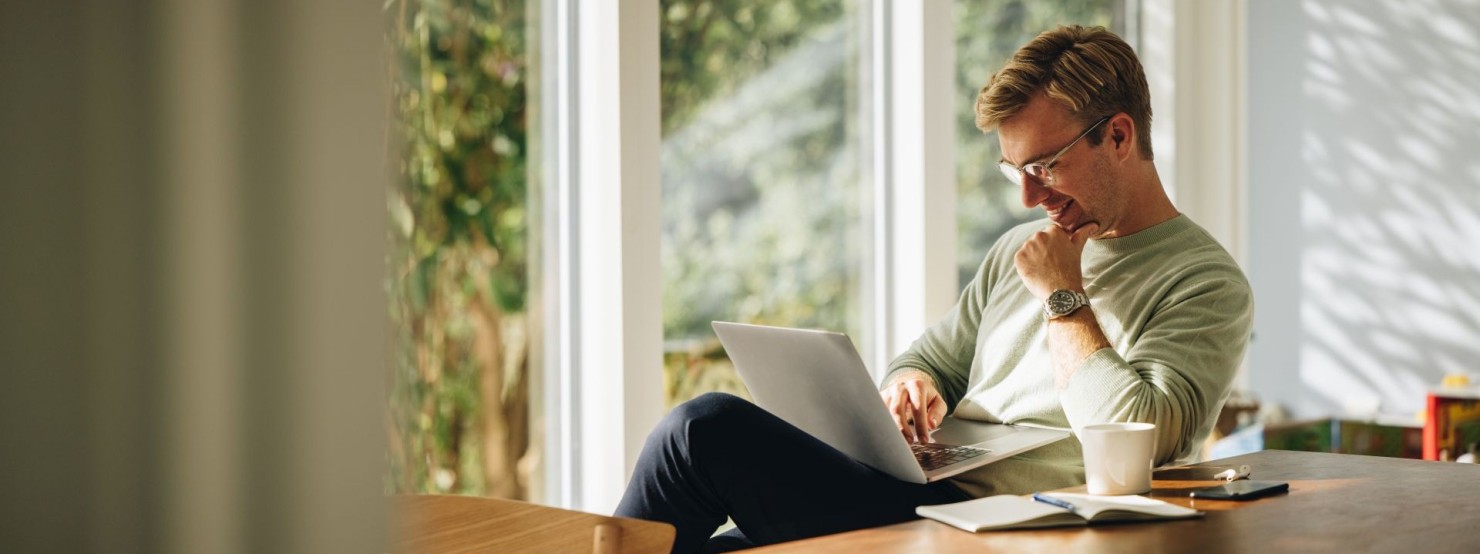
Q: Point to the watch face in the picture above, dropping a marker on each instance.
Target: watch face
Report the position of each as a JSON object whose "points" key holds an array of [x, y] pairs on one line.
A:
{"points": [[1062, 302]]}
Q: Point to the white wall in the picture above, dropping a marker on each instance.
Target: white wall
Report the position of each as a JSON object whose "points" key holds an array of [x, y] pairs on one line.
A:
{"points": [[1364, 200]]}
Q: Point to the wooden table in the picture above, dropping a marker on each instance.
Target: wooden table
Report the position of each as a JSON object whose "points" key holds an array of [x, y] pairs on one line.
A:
{"points": [[1336, 503]]}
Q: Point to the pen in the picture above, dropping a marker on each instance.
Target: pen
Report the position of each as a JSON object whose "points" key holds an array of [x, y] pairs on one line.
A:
{"points": [[1055, 502]]}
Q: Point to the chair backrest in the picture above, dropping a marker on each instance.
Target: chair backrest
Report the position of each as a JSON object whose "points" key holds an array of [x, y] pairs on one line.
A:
{"points": [[442, 524]]}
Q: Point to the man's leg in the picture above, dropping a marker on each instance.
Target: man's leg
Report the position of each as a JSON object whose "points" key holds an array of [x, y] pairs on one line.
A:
{"points": [[718, 456], [728, 541]]}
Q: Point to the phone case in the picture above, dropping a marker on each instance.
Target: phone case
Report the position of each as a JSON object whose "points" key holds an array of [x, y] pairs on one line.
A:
{"points": [[1241, 490]]}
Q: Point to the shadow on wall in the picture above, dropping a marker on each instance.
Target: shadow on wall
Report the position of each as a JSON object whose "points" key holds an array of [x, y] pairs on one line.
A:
{"points": [[1365, 194]]}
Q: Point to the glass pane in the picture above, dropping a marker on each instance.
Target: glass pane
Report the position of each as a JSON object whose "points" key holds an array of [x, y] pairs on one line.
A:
{"points": [[459, 395], [987, 33], [762, 179]]}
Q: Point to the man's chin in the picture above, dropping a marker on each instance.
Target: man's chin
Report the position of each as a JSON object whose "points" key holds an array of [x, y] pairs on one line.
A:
{"points": [[1072, 227]]}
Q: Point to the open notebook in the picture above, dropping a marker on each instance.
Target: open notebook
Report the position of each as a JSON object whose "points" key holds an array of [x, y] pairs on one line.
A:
{"points": [[1020, 512]]}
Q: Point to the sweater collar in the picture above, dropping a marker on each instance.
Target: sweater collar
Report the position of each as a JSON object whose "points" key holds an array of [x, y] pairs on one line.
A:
{"points": [[1145, 237]]}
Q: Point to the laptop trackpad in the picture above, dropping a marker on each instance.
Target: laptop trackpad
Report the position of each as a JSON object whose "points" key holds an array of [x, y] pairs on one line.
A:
{"points": [[965, 432]]}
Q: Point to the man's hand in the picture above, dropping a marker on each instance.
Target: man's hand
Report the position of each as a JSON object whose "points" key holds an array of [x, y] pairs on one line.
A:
{"points": [[1049, 261], [915, 404]]}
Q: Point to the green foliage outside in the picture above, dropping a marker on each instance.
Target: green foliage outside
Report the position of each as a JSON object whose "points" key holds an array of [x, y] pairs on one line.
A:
{"points": [[987, 33], [458, 265], [761, 175]]}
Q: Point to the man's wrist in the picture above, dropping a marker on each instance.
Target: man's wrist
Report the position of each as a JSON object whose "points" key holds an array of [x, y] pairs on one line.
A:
{"points": [[1076, 336], [1063, 302], [1082, 317]]}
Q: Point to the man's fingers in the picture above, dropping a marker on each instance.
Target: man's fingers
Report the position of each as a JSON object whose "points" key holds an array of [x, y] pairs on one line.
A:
{"points": [[937, 410], [919, 429], [923, 423], [1084, 232], [916, 407], [904, 412]]}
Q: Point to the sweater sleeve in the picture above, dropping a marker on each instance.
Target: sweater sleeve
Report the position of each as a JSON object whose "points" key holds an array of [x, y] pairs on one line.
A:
{"points": [[1177, 372], [946, 349]]}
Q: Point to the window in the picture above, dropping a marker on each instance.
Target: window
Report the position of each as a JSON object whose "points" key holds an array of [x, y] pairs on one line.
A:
{"points": [[459, 262], [987, 33], [769, 170], [763, 171]]}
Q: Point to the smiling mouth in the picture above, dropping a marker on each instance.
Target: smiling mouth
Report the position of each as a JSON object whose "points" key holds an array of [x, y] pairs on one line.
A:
{"points": [[1054, 213]]}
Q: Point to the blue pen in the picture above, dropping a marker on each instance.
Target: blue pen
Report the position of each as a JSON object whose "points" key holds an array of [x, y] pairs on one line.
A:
{"points": [[1055, 502]]}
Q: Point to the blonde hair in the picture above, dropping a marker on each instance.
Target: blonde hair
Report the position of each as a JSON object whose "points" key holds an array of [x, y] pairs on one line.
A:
{"points": [[1088, 70]]}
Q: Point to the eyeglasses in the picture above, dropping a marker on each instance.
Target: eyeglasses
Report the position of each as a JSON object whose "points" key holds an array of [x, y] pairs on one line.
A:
{"points": [[1042, 171]]}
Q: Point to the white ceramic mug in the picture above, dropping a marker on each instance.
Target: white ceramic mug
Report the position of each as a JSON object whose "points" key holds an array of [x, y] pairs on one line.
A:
{"points": [[1118, 457]]}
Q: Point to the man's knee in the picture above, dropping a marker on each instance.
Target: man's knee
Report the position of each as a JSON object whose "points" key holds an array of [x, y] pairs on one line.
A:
{"points": [[713, 404], [713, 413]]}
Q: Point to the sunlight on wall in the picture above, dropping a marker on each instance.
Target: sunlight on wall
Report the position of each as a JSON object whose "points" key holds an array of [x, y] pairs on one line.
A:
{"points": [[1364, 236]]}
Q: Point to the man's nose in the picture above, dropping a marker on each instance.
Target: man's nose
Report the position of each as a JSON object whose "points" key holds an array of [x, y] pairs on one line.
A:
{"points": [[1034, 193]]}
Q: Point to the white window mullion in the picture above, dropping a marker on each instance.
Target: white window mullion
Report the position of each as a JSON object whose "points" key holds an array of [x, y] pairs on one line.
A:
{"points": [[914, 173], [556, 309], [615, 348]]}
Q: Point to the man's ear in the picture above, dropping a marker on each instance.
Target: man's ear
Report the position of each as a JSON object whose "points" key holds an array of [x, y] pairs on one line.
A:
{"points": [[1122, 135]]}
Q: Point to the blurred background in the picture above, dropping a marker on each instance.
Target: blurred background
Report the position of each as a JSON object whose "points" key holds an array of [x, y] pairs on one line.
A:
{"points": [[194, 339], [268, 262]]}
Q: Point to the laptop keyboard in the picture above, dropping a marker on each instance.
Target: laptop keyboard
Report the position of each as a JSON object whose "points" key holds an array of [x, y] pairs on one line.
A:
{"points": [[936, 456]]}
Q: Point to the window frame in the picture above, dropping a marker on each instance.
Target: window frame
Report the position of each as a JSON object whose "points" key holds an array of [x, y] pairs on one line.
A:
{"points": [[911, 274], [602, 318]]}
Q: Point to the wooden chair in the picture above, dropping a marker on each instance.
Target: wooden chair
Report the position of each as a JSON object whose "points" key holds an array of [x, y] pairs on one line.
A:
{"points": [[443, 524]]}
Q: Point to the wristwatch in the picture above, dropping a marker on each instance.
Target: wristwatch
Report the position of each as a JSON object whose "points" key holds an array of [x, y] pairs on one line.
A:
{"points": [[1063, 302]]}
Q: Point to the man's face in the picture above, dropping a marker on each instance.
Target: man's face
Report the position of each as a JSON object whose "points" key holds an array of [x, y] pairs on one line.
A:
{"points": [[1083, 189]]}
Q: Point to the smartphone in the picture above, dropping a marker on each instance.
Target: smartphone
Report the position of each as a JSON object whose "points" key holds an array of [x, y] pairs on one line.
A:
{"points": [[1241, 490]]}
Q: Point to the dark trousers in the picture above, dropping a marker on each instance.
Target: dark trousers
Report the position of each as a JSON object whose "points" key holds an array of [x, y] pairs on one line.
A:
{"points": [[718, 456]]}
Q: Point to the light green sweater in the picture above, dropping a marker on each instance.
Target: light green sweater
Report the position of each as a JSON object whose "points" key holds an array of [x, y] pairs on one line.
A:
{"points": [[1173, 304]]}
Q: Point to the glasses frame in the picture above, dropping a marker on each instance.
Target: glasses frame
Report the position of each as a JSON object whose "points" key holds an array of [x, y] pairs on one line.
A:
{"points": [[1043, 171]]}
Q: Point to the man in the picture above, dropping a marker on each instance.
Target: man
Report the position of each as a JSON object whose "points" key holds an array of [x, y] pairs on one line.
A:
{"points": [[1115, 309]]}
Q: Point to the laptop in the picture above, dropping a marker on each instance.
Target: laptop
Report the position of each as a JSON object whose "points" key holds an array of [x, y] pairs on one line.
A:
{"points": [[816, 381]]}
